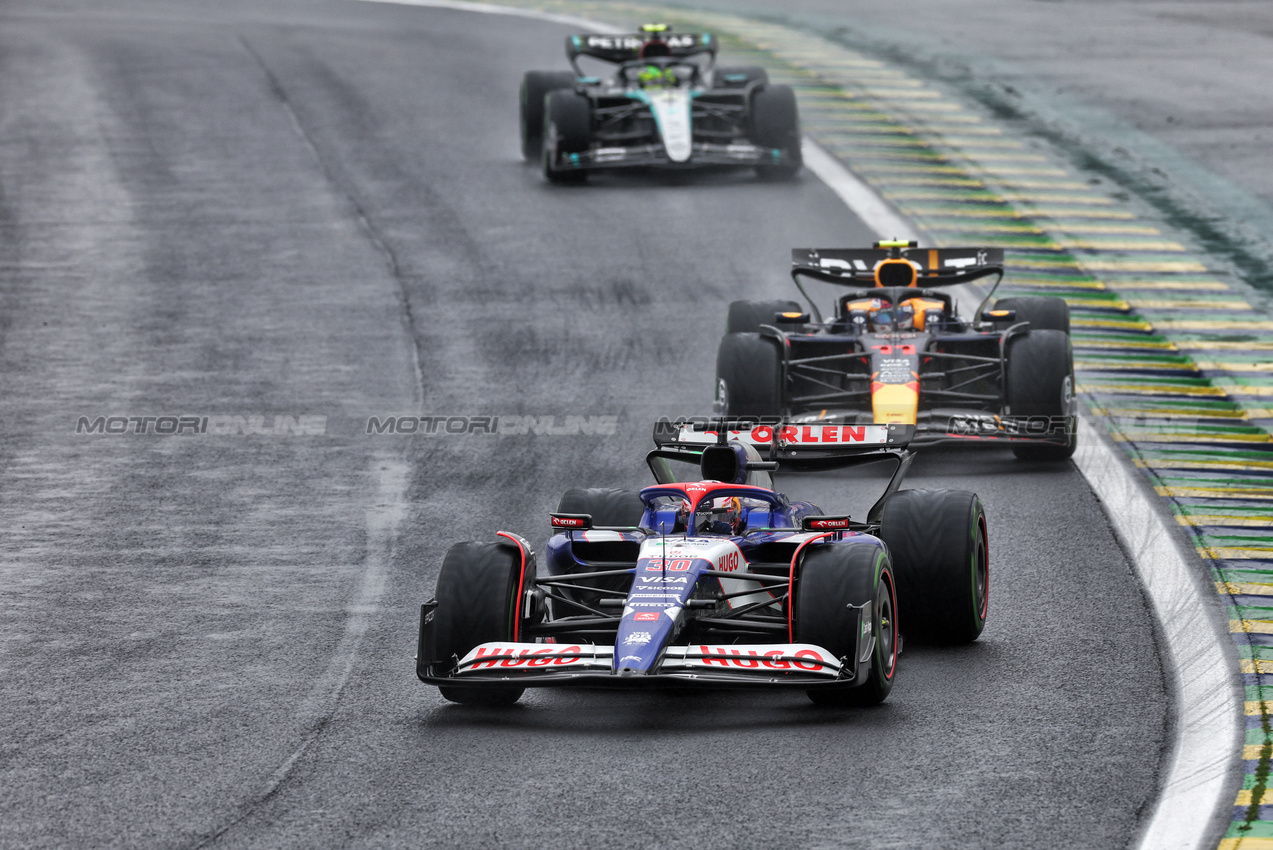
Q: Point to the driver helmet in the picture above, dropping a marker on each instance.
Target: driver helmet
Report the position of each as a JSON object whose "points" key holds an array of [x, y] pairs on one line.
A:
{"points": [[892, 317], [726, 516]]}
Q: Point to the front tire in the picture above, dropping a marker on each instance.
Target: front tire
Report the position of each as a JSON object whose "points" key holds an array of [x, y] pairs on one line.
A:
{"points": [[1040, 383], [567, 130], [775, 124], [749, 376], [535, 87], [477, 603], [834, 580], [942, 562]]}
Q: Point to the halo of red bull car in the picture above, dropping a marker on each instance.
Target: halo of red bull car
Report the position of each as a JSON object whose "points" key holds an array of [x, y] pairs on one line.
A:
{"points": [[711, 577]]}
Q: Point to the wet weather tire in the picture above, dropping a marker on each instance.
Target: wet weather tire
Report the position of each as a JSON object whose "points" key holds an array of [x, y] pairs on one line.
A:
{"points": [[567, 130], [1040, 383], [608, 507], [535, 87], [834, 581], [775, 125], [748, 316], [748, 376], [1043, 314], [941, 559], [477, 598]]}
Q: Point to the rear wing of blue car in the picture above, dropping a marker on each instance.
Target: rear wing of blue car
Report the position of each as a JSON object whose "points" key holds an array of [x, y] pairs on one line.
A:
{"points": [[890, 264], [628, 48], [785, 445]]}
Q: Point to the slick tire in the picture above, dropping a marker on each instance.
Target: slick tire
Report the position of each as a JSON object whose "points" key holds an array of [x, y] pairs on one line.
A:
{"points": [[477, 603], [608, 507], [567, 130], [535, 87], [740, 77], [834, 579], [1040, 382], [937, 539], [775, 124], [1043, 314], [749, 376], [748, 316]]}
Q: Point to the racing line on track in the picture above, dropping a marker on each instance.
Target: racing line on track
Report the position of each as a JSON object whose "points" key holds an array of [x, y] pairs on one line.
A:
{"points": [[1168, 353]]}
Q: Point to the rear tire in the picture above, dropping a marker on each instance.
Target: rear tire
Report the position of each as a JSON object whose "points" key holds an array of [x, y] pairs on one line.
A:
{"points": [[567, 130], [535, 87], [477, 603], [740, 77], [775, 124], [941, 559], [1040, 382], [1043, 314], [748, 316], [833, 579], [749, 376], [608, 507]]}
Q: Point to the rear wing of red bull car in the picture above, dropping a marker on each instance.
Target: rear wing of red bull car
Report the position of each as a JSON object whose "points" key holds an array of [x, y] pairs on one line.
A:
{"points": [[890, 264]]}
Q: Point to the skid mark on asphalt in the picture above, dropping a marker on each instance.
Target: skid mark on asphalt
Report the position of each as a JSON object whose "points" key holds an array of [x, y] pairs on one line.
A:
{"points": [[359, 213], [388, 509]]}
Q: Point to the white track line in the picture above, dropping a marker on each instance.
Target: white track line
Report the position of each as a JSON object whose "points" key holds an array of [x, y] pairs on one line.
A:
{"points": [[1208, 727]]}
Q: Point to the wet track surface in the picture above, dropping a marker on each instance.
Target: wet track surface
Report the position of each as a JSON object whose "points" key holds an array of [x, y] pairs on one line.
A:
{"points": [[318, 209]]}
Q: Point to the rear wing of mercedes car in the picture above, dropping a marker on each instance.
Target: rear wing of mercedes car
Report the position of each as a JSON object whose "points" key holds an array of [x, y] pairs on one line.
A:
{"points": [[628, 48]]}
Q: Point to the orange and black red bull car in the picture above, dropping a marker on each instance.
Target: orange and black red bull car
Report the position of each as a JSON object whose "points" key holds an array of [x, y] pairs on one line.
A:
{"points": [[894, 350]]}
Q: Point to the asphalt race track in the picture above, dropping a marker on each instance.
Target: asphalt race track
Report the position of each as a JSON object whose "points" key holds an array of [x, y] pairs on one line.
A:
{"points": [[318, 209]]}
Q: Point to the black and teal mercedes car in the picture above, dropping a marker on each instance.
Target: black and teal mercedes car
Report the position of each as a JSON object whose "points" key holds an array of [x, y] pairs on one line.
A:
{"points": [[659, 100]]}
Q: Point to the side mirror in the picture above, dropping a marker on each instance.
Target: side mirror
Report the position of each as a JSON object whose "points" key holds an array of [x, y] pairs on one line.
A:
{"points": [[825, 523], [570, 522]]}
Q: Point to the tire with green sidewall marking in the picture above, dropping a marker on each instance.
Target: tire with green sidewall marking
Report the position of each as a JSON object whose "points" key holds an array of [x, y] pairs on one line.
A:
{"points": [[567, 129], [942, 563], [835, 581], [1040, 382], [775, 123], [749, 376], [607, 506]]}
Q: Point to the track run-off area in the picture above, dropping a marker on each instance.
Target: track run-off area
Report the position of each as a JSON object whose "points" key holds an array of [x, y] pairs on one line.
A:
{"points": [[307, 214]]}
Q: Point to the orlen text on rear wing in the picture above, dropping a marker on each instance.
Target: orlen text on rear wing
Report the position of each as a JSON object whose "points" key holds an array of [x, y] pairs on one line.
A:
{"points": [[800, 445], [894, 266], [627, 48], [792, 446]]}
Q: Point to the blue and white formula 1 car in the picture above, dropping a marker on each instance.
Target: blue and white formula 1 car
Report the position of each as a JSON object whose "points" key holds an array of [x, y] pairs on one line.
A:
{"points": [[666, 104], [711, 578]]}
